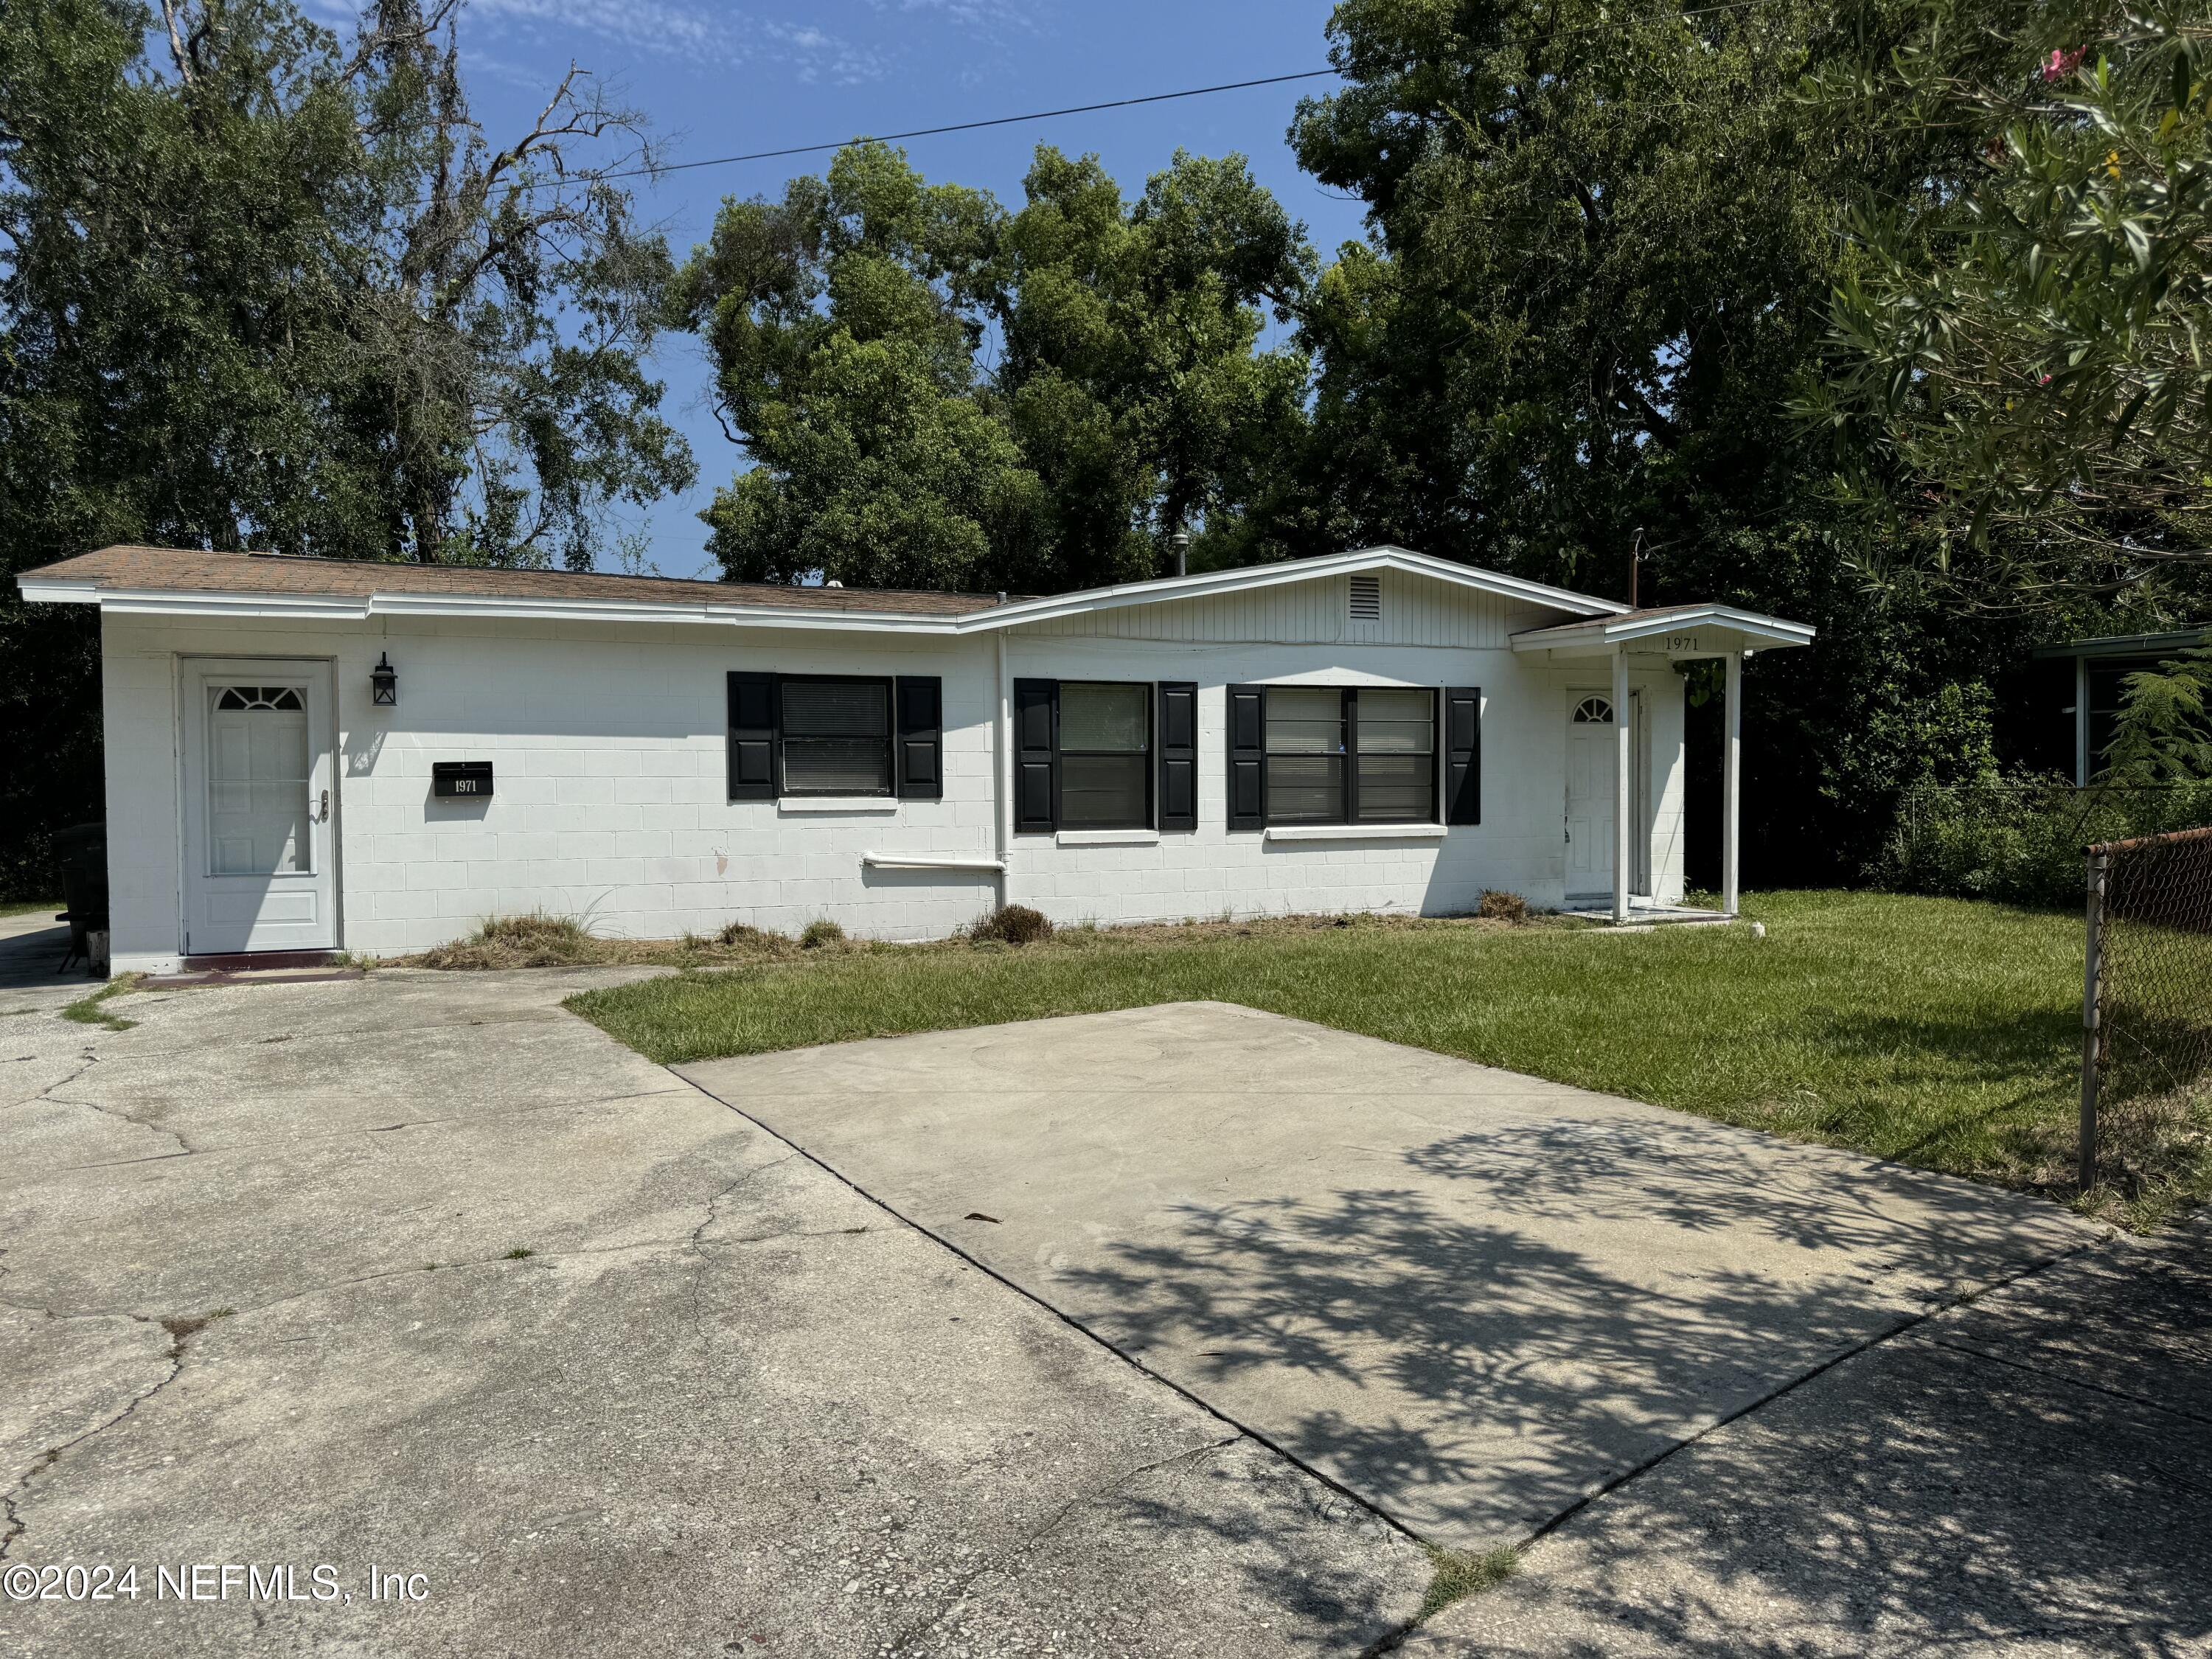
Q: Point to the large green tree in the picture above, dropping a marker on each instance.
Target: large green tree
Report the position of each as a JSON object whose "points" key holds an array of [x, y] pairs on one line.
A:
{"points": [[262, 286], [1133, 372], [934, 391], [844, 321], [1602, 244]]}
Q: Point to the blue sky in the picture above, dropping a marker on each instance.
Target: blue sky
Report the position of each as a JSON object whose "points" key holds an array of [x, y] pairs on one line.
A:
{"points": [[716, 79]]}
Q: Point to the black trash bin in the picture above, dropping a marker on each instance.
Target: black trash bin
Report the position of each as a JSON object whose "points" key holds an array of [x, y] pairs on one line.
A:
{"points": [[82, 852]]}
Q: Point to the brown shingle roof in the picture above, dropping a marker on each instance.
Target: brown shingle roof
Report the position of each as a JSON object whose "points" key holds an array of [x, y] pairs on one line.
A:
{"points": [[185, 570]]}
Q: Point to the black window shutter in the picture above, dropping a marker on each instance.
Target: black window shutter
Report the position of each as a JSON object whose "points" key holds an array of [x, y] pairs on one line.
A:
{"points": [[752, 737], [1037, 711], [1247, 757], [1462, 754], [920, 737], [1178, 740]]}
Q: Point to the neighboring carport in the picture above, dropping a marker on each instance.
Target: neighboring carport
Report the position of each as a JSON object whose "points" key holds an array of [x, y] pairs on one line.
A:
{"points": [[1470, 1297]]}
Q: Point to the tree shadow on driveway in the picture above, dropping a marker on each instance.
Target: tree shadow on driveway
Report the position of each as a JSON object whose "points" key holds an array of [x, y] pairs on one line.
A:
{"points": [[1544, 1308], [2031, 1474]]}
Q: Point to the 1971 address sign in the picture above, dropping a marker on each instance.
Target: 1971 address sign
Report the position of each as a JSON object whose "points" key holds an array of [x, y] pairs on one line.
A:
{"points": [[460, 780]]}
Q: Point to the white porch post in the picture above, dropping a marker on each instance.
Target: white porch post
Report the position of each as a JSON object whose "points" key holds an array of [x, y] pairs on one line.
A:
{"points": [[1732, 785], [1623, 798]]}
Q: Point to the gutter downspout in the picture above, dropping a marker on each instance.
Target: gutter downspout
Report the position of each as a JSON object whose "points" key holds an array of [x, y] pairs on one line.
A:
{"points": [[1003, 776]]}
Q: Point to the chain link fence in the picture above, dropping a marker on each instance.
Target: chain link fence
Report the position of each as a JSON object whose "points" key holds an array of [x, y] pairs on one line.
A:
{"points": [[2146, 1006]]}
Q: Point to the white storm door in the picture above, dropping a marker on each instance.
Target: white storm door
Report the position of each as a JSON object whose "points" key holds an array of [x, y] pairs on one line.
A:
{"points": [[1590, 762], [260, 848]]}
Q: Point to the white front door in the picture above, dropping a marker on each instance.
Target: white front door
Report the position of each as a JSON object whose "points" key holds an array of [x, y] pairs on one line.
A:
{"points": [[1590, 761], [259, 842]]}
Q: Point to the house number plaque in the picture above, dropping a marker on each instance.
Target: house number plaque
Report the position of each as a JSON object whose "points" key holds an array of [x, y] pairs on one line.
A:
{"points": [[460, 780]]}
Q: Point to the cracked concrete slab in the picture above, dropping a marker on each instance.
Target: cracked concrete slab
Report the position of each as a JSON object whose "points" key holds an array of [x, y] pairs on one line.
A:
{"points": [[2027, 1475], [1470, 1296], [239, 1094], [725, 1404], [239, 1227], [62, 1377]]}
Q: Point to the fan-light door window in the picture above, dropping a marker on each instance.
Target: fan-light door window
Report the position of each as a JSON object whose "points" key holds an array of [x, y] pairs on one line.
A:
{"points": [[258, 841]]}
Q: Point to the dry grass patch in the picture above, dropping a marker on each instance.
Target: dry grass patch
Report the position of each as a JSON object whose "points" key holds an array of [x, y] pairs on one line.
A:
{"points": [[1501, 907], [544, 941], [1013, 924], [548, 941]]}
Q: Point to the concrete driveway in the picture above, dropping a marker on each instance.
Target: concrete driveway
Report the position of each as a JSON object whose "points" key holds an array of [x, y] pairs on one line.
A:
{"points": [[1471, 1297], [420, 1274]]}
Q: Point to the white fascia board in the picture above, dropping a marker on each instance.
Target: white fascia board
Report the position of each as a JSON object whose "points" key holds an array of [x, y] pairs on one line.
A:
{"points": [[858, 622], [1773, 633], [330, 607], [1169, 588], [490, 606], [157, 602], [35, 591]]}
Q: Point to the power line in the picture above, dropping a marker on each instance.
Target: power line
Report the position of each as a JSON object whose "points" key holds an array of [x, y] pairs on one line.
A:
{"points": [[1079, 109], [966, 126]]}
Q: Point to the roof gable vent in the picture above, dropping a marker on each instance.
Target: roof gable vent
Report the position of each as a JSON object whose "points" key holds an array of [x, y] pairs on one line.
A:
{"points": [[1367, 598]]}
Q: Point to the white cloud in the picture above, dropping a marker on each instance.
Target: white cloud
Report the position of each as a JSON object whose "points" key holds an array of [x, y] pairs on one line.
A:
{"points": [[706, 35], [656, 26]]}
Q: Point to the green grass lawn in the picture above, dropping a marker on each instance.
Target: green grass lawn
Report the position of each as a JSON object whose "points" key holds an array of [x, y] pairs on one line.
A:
{"points": [[1938, 1032], [25, 907]]}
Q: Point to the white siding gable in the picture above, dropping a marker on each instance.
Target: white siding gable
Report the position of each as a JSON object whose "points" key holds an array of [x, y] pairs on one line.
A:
{"points": [[1417, 610]]}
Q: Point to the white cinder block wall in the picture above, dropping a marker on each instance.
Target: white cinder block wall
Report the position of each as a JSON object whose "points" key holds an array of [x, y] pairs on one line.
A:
{"points": [[1519, 846], [608, 741]]}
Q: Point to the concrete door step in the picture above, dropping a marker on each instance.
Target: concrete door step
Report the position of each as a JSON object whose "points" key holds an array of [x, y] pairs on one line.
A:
{"points": [[250, 976]]}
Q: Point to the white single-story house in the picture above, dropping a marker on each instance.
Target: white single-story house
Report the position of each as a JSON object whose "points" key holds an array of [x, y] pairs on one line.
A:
{"points": [[310, 756]]}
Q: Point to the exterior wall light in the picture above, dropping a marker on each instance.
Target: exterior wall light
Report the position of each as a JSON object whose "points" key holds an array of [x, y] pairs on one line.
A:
{"points": [[384, 683]]}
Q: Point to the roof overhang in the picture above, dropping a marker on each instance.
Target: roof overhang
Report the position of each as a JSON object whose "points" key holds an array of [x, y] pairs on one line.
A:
{"points": [[2128, 645], [1251, 577], [180, 602], [201, 602], [1680, 632]]}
